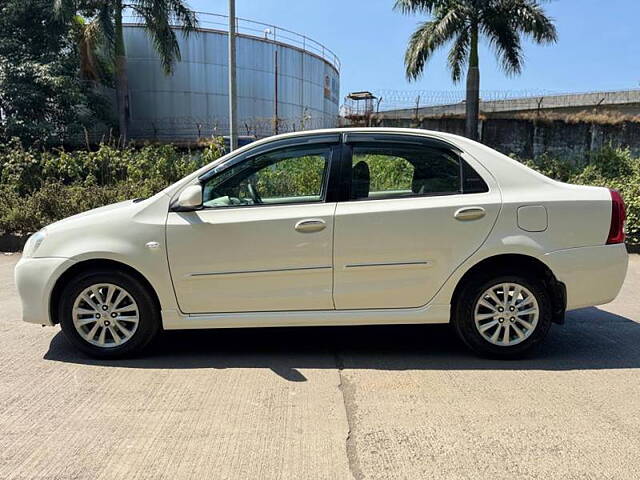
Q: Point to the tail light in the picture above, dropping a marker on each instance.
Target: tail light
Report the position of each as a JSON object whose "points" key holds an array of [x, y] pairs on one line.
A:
{"points": [[618, 217]]}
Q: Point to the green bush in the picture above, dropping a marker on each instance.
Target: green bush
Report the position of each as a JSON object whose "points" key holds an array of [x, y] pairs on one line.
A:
{"points": [[40, 187], [552, 167], [608, 167], [294, 177]]}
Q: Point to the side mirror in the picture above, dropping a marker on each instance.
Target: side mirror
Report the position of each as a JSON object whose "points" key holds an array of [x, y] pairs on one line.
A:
{"points": [[190, 199]]}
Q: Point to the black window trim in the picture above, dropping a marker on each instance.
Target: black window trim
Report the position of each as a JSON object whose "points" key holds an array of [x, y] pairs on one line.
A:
{"points": [[329, 139], [464, 162], [353, 138], [330, 175], [337, 184], [383, 137]]}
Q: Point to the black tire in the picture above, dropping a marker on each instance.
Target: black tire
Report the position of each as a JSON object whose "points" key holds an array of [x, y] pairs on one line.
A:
{"points": [[148, 313], [464, 320]]}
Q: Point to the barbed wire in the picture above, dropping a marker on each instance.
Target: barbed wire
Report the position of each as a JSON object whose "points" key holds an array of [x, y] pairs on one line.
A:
{"points": [[452, 101], [426, 103], [192, 128], [386, 99]]}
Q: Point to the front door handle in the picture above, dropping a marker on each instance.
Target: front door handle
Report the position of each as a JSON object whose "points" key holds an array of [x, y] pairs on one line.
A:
{"points": [[311, 225], [470, 213]]}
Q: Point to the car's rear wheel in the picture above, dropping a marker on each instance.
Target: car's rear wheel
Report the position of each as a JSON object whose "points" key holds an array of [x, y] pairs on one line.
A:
{"points": [[504, 316], [108, 314]]}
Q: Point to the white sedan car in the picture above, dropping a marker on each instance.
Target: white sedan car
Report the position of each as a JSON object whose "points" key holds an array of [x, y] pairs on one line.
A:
{"points": [[333, 227]]}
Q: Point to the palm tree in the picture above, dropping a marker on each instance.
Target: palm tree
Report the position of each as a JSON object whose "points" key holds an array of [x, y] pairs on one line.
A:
{"points": [[462, 23], [157, 16], [88, 38]]}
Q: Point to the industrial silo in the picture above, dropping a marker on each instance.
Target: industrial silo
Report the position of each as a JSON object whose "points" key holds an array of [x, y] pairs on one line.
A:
{"points": [[286, 82]]}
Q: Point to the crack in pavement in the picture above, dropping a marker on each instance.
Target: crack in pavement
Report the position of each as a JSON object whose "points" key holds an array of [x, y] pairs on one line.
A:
{"points": [[348, 389]]}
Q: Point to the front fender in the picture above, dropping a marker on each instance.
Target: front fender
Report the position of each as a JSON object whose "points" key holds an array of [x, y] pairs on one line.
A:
{"points": [[120, 234]]}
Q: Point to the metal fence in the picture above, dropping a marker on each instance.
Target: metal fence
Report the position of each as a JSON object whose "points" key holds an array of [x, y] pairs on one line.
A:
{"points": [[403, 103], [182, 129]]}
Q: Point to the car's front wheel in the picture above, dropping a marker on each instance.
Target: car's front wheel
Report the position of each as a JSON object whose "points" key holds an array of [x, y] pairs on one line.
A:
{"points": [[503, 316], [108, 314]]}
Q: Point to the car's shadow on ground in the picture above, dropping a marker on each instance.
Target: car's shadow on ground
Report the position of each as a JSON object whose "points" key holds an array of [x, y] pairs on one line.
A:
{"points": [[590, 339]]}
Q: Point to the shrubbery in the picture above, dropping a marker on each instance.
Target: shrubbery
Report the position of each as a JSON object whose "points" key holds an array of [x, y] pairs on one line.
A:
{"points": [[40, 187]]}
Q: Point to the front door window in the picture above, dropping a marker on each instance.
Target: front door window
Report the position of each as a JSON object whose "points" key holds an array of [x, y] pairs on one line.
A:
{"points": [[294, 175]]}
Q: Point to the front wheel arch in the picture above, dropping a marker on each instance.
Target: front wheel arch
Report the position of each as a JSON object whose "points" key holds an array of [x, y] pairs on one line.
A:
{"points": [[87, 266]]}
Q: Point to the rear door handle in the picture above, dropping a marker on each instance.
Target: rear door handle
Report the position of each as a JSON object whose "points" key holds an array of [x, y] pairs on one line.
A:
{"points": [[470, 213], [310, 225]]}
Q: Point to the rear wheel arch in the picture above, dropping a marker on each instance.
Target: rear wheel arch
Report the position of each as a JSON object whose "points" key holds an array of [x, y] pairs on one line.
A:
{"points": [[101, 264], [524, 265]]}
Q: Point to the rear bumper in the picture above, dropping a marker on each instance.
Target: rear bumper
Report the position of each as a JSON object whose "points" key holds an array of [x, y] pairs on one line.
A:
{"points": [[592, 275], [35, 278]]}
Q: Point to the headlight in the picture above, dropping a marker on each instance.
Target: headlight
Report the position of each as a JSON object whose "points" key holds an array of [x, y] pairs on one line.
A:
{"points": [[33, 243]]}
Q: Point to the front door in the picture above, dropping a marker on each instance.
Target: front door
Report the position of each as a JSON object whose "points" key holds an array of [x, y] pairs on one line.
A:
{"points": [[416, 211], [263, 239]]}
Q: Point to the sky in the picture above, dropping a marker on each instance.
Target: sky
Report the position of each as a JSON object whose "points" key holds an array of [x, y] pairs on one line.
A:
{"points": [[598, 46]]}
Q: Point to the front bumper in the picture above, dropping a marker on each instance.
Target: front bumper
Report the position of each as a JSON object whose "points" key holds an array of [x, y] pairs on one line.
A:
{"points": [[592, 275], [35, 279]]}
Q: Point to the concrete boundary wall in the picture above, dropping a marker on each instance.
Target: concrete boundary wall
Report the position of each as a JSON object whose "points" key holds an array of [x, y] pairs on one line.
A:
{"points": [[530, 138]]}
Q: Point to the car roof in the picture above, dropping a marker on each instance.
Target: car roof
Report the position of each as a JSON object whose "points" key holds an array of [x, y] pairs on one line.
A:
{"points": [[502, 168], [327, 131]]}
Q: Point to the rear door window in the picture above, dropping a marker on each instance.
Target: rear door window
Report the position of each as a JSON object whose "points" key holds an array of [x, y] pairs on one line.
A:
{"points": [[396, 170]]}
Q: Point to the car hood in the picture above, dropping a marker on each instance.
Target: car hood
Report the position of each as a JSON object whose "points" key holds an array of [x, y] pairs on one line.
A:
{"points": [[113, 208]]}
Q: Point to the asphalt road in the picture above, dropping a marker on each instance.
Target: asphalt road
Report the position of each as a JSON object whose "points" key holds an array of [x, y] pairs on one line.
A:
{"points": [[351, 402]]}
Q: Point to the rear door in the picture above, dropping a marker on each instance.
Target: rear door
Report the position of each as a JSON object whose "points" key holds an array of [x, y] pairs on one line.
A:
{"points": [[414, 210]]}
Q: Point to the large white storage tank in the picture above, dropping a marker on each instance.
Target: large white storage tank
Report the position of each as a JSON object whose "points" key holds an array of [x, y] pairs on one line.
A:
{"points": [[286, 82]]}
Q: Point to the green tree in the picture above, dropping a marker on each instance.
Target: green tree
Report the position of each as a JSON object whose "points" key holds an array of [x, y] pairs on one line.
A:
{"points": [[157, 16], [42, 99], [93, 58], [462, 23]]}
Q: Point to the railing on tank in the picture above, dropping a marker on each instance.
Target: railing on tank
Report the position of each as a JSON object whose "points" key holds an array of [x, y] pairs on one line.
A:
{"points": [[266, 31]]}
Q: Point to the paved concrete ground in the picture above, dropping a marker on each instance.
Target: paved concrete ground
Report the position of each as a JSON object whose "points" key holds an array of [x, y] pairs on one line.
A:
{"points": [[367, 402]]}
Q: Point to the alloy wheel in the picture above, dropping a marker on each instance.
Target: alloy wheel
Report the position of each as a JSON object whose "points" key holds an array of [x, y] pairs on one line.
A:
{"points": [[506, 314], [105, 315]]}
